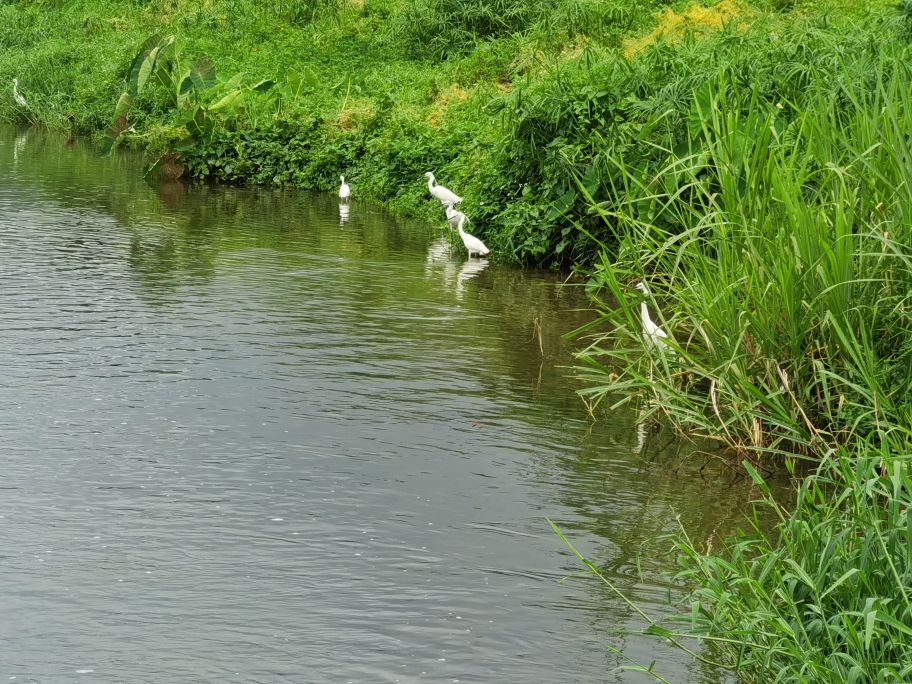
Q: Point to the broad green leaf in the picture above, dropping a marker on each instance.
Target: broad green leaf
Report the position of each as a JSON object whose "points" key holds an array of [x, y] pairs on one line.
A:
{"points": [[186, 84], [123, 105], [700, 108], [310, 77], [202, 73], [226, 101], [134, 82], [293, 81]]}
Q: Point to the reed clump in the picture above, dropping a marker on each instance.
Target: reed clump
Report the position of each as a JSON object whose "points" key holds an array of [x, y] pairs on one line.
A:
{"points": [[778, 250]]}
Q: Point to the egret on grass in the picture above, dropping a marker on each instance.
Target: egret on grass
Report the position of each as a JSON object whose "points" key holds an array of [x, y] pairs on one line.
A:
{"points": [[654, 334], [344, 190], [472, 243], [445, 195], [17, 96]]}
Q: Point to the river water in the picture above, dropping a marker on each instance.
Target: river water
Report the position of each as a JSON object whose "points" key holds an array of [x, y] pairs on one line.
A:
{"points": [[247, 439]]}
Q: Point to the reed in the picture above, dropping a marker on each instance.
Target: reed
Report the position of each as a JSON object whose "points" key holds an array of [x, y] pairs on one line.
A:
{"points": [[777, 248], [776, 245], [825, 598]]}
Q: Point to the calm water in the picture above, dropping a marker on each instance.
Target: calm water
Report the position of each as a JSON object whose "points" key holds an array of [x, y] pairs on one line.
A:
{"points": [[244, 440]]}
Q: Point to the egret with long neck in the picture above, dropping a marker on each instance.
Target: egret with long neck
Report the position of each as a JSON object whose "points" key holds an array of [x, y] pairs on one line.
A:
{"points": [[444, 195], [17, 95], [344, 190], [472, 243]]}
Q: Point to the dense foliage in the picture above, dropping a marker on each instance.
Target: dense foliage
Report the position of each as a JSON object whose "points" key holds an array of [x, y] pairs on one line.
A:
{"points": [[506, 101], [775, 242]]}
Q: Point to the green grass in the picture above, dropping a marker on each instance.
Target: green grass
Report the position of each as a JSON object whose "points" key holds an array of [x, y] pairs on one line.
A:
{"points": [[506, 101], [824, 599], [776, 244]]}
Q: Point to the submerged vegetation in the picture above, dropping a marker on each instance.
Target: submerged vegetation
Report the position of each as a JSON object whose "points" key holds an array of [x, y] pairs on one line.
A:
{"points": [[749, 160]]}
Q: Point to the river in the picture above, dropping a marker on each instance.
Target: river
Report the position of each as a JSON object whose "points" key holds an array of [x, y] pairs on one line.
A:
{"points": [[246, 438]]}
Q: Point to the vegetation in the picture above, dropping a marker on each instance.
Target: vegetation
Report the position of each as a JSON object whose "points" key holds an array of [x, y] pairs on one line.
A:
{"points": [[506, 100], [776, 242], [750, 162]]}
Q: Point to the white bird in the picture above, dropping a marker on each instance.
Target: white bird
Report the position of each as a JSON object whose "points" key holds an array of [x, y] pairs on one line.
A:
{"points": [[441, 193], [16, 96], [472, 243], [344, 190], [653, 333], [452, 215]]}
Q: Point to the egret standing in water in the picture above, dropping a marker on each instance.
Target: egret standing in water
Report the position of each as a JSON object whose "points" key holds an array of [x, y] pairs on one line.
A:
{"points": [[653, 333], [472, 243], [17, 96], [344, 190], [444, 195]]}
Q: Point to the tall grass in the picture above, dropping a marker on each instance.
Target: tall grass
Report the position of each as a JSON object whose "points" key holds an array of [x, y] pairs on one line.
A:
{"points": [[777, 247], [826, 598], [778, 250]]}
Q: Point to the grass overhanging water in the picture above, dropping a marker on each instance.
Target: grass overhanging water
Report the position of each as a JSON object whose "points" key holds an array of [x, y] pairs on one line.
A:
{"points": [[777, 247]]}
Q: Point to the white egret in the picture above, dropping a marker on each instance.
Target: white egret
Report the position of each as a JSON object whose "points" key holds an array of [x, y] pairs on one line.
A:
{"points": [[452, 215], [441, 193], [17, 96], [654, 334], [344, 190], [472, 243]]}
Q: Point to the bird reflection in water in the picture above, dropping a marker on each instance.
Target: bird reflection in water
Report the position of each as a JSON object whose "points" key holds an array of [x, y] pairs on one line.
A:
{"points": [[343, 213], [18, 146], [438, 259], [469, 270]]}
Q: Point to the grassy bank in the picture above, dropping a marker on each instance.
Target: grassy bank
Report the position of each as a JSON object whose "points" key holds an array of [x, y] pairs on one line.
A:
{"points": [[506, 100], [776, 246]]}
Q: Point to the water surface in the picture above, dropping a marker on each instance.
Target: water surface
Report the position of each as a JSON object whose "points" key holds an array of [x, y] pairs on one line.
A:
{"points": [[247, 438]]}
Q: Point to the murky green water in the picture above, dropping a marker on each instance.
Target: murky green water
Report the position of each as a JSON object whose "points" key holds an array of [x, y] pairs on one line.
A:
{"points": [[246, 440]]}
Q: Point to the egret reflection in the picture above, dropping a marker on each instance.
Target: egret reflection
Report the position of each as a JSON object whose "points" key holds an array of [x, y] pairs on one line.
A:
{"points": [[438, 251], [343, 213], [438, 261], [469, 270], [18, 146]]}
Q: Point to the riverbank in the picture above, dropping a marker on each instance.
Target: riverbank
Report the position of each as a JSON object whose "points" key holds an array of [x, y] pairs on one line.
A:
{"points": [[517, 105], [776, 252]]}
